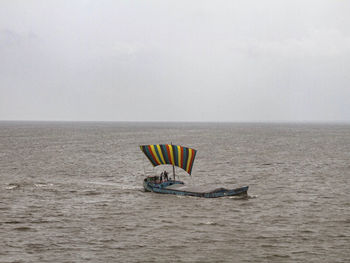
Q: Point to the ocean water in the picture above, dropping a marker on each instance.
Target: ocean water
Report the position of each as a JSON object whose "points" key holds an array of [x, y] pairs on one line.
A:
{"points": [[72, 192]]}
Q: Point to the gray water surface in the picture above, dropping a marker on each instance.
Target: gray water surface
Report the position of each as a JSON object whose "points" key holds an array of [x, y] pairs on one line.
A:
{"points": [[72, 192]]}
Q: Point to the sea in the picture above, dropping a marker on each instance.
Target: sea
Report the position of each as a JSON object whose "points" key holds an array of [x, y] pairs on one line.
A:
{"points": [[72, 192]]}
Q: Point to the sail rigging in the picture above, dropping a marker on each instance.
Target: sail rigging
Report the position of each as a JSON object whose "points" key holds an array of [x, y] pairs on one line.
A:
{"points": [[177, 155]]}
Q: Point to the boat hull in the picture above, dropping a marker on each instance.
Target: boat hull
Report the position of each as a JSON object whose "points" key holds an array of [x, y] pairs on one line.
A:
{"points": [[167, 188]]}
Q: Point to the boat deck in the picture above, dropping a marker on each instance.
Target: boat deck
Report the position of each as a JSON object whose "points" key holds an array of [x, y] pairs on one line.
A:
{"points": [[195, 189]]}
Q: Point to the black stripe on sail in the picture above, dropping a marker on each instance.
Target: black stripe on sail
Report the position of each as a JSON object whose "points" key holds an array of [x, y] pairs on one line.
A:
{"points": [[175, 154], [185, 158]]}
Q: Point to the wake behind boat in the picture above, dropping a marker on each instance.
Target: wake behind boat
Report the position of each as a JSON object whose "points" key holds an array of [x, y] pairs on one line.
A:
{"points": [[183, 157]]}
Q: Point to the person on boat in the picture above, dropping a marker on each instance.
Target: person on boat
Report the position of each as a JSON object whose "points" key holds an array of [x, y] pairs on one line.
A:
{"points": [[166, 175]]}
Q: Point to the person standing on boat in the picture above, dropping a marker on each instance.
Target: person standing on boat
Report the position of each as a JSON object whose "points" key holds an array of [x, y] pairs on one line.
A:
{"points": [[166, 175]]}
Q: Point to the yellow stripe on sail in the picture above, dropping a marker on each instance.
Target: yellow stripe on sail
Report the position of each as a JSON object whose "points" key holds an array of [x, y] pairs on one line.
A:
{"points": [[155, 154], [189, 159], [161, 154], [179, 156], [171, 154]]}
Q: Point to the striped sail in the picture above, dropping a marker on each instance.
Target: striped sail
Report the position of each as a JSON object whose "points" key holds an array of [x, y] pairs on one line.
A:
{"points": [[177, 155]]}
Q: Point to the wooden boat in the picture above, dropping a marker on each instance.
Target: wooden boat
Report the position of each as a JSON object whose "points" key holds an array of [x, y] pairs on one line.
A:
{"points": [[183, 157]]}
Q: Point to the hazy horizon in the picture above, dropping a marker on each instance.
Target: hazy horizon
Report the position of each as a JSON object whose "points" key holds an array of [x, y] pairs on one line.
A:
{"points": [[180, 122], [175, 61]]}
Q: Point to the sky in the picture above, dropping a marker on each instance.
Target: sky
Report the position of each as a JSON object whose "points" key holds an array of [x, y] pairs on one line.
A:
{"points": [[215, 61]]}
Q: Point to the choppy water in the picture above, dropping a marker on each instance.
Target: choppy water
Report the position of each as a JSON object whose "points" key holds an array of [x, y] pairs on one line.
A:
{"points": [[72, 192]]}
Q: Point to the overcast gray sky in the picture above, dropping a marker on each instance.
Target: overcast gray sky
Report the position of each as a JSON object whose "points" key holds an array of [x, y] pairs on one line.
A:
{"points": [[248, 60]]}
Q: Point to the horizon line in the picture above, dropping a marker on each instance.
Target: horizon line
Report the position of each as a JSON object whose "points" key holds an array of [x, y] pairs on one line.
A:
{"points": [[192, 121]]}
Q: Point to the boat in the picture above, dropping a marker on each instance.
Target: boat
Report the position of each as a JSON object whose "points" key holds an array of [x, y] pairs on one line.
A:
{"points": [[183, 157]]}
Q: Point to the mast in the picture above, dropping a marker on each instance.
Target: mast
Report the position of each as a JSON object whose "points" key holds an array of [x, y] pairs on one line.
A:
{"points": [[174, 172], [173, 165]]}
